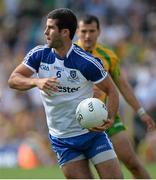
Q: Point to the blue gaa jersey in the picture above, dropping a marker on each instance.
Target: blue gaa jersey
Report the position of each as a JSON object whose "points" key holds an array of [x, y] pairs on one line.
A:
{"points": [[76, 73]]}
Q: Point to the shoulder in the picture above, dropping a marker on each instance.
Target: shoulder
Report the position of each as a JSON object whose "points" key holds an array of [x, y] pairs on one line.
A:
{"points": [[107, 54], [89, 66], [38, 52], [39, 49], [37, 55], [84, 57], [107, 51]]}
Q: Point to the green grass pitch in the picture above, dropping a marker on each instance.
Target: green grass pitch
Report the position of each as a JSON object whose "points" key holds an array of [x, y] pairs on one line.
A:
{"points": [[55, 173]]}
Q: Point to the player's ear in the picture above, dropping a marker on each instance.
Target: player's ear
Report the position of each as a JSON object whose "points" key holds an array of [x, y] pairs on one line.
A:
{"points": [[99, 31], [65, 32], [77, 31]]}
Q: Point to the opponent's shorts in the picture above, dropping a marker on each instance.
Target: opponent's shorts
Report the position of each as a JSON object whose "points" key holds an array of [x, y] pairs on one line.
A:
{"points": [[95, 146], [116, 127]]}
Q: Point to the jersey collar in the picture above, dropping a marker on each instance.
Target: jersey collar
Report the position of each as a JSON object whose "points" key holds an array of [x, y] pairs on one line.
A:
{"points": [[68, 53], [70, 50]]}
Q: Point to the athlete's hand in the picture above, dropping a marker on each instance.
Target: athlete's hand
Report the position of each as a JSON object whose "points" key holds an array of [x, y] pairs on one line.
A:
{"points": [[107, 124], [148, 121], [48, 85]]}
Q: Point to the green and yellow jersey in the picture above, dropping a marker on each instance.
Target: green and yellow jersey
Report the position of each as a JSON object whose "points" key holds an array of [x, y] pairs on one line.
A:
{"points": [[111, 64], [109, 59]]}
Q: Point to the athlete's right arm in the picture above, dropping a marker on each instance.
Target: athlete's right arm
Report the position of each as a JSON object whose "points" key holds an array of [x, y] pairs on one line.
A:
{"points": [[21, 79]]}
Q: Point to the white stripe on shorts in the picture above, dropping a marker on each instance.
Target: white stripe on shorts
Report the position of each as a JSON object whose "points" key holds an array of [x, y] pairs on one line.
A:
{"points": [[75, 159], [103, 156]]}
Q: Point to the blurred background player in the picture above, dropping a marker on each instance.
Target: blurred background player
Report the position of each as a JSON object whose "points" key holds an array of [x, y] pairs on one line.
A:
{"points": [[88, 32]]}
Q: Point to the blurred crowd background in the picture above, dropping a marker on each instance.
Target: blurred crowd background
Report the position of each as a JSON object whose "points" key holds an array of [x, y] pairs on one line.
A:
{"points": [[127, 26]]}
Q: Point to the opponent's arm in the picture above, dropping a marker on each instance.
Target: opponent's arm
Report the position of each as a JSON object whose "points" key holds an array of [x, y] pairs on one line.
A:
{"points": [[127, 92]]}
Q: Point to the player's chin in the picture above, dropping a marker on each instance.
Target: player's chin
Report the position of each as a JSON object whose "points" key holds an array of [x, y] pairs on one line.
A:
{"points": [[49, 44], [88, 43], [88, 46]]}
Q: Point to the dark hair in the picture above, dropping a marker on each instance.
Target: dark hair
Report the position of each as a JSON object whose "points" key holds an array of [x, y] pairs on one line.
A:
{"points": [[88, 19], [66, 19]]}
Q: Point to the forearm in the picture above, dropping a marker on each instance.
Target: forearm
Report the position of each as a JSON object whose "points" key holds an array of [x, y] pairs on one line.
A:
{"points": [[132, 101], [20, 82], [113, 103], [109, 88], [128, 94]]}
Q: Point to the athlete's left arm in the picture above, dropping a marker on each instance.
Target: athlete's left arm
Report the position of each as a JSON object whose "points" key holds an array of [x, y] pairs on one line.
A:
{"points": [[109, 88], [128, 94]]}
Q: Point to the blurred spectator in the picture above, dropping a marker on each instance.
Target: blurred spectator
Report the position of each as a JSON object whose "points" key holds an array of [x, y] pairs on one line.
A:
{"points": [[36, 152]]}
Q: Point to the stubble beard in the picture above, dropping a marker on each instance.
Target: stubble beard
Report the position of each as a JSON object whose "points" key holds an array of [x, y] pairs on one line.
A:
{"points": [[56, 42]]}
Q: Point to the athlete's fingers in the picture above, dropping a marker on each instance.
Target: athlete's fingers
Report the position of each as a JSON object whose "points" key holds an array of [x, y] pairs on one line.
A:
{"points": [[52, 87], [48, 92], [150, 126], [53, 80], [100, 128], [148, 121], [52, 84]]}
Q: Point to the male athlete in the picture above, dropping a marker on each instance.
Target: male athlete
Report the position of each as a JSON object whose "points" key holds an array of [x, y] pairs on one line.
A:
{"points": [[88, 32], [65, 78]]}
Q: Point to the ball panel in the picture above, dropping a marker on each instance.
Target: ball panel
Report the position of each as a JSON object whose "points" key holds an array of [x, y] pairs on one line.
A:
{"points": [[91, 112]]}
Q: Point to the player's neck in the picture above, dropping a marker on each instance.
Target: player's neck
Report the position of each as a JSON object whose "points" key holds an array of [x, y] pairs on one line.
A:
{"points": [[62, 51], [88, 49]]}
